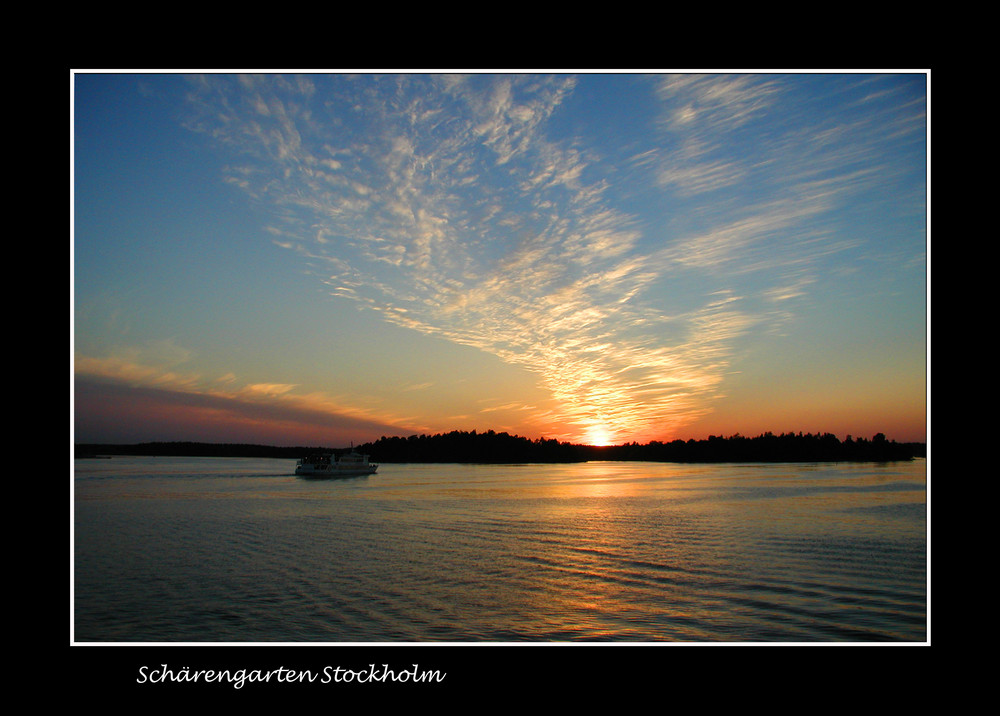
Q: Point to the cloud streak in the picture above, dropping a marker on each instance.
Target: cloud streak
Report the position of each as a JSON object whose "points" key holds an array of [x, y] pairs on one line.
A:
{"points": [[223, 401], [448, 205]]}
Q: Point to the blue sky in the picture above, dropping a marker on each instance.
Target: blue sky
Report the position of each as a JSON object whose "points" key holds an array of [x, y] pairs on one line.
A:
{"points": [[326, 257]]}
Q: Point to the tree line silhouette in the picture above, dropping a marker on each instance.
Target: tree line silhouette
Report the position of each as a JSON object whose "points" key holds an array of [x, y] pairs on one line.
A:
{"points": [[493, 447]]}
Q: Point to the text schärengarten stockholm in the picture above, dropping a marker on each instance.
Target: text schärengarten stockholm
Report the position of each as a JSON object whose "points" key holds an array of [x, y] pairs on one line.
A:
{"points": [[238, 678]]}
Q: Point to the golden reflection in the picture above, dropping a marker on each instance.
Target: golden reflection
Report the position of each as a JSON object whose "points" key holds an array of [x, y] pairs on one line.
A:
{"points": [[603, 574], [599, 479]]}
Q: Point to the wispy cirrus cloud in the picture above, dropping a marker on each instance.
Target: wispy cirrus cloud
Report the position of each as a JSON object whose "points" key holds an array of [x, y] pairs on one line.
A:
{"points": [[446, 204]]}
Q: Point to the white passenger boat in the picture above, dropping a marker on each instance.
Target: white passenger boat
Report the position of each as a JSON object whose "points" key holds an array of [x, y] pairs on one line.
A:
{"points": [[326, 465]]}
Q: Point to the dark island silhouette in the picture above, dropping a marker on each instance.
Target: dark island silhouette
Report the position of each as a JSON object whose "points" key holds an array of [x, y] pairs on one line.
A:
{"points": [[498, 448]]}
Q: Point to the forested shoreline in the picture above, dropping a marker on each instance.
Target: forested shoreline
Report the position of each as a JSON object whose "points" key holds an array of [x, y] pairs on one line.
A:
{"points": [[493, 447]]}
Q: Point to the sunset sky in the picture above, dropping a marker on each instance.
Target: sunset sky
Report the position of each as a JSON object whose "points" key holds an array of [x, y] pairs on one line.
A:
{"points": [[321, 258]]}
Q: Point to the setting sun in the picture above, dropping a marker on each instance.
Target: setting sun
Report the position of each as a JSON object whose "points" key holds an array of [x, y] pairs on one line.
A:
{"points": [[598, 436]]}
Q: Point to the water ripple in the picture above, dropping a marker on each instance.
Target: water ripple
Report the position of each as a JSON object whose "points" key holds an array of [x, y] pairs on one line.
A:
{"points": [[715, 554]]}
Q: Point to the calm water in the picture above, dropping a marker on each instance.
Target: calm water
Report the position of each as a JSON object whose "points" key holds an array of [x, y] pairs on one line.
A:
{"points": [[240, 550]]}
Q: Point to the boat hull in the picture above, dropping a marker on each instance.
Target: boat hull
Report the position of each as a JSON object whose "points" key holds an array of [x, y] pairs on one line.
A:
{"points": [[319, 474], [326, 466]]}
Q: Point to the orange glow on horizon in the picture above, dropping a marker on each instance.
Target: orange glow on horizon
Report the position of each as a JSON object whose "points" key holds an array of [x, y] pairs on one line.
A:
{"points": [[599, 436]]}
